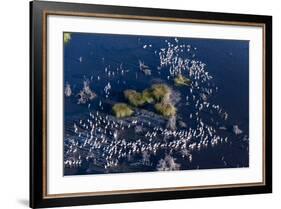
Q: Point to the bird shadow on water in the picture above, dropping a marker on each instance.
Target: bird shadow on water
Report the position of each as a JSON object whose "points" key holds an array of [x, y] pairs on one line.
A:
{"points": [[23, 202]]}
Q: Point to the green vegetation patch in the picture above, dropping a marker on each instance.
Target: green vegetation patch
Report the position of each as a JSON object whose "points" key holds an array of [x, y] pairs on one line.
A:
{"points": [[166, 109], [135, 98], [122, 110], [147, 96], [180, 80], [157, 92], [160, 91], [66, 37]]}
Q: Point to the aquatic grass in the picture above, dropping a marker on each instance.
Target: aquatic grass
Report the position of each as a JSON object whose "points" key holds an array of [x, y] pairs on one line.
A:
{"points": [[160, 91], [180, 80], [122, 110], [135, 98], [166, 109], [66, 37]]}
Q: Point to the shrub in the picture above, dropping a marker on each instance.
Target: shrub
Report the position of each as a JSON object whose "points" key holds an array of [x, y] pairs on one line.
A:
{"points": [[160, 91], [66, 37], [165, 109], [134, 98], [122, 110], [147, 96], [180, 80]]}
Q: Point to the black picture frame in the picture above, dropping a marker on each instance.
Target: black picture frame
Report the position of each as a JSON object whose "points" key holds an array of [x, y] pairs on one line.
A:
{"points": [[38, 129]]}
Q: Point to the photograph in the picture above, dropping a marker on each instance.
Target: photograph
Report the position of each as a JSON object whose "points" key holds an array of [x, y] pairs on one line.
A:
{"points": [[138, 103], [131, 104]]}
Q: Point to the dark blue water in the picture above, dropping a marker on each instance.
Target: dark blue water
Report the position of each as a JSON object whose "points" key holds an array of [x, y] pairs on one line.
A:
{"points": [[99, 60]]}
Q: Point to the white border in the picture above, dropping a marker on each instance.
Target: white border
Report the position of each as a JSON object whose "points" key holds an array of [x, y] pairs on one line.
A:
{"points": [[58, 184]]}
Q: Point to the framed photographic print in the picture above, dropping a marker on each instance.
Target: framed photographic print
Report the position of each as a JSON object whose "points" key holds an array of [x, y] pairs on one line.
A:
{"points": [[139, 104]]}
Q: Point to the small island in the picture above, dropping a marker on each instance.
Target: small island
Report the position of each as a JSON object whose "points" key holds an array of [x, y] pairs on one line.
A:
{"points": [[180, 80], [147, 96], [135, 98], [159, 94], [161, 91], [166, 109], [66, 37], [122, 110]]}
